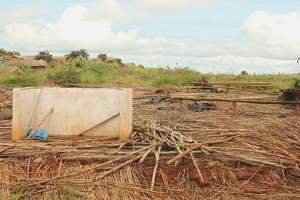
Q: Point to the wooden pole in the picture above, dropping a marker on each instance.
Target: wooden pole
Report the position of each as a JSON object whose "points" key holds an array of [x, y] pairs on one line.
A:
{"points": [[235, 83], [238, 100], [102, 122], [237, 89], [43, 120], [157, 152]]}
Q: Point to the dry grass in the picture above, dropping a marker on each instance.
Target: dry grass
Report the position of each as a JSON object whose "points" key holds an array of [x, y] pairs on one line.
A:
{"points": [[259, 161]]}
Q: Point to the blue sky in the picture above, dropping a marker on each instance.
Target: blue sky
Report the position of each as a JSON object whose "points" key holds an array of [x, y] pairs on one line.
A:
{"points": [[260, 36]]}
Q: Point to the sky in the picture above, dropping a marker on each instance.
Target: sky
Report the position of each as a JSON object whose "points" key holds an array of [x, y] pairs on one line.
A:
{"points": [[210, 36]]}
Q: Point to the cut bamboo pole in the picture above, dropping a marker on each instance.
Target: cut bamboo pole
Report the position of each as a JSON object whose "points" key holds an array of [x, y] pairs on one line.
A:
{"points": [[201, 179], [237, 100], [264, 84], [102, 122], [87, 170], [43, 120], [157, 153], [198, 146]]}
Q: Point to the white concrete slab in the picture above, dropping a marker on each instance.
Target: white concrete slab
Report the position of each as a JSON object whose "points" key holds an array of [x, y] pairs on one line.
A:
{"points": [[76, 111]]}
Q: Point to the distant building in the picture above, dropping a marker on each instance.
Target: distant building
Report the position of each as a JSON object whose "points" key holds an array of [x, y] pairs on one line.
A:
{"points": [[26, 60]]}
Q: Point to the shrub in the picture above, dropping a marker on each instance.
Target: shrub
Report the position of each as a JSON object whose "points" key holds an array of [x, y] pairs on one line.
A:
{"points": [[44, 55], [22, 79], [64, 75], [103, 56], [296, 83], [244, 72], [119, 60]]}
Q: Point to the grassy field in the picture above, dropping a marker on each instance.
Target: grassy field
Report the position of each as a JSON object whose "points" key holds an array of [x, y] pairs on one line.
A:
{"points": [[94, 72]]}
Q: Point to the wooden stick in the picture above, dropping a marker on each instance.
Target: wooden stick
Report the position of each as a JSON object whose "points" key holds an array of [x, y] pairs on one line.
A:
{"points": [[236, 100], [197, 146], [43, 120], [119, 166], [7, 148], [233, 83], [155, 167], [145, 155], [35, 107], [87, 170], [201, 179], [102, 122], [249, 179]]}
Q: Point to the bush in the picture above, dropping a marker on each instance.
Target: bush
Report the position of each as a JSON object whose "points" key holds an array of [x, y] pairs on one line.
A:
{"points": [[296, 83], [22, 79], [244, 72], [44, 55], [82, 54], [119, 60], [103, 56], [64, 75]]}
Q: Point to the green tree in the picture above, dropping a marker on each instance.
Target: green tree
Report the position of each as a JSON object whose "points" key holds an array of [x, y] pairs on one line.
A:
{"points": [[82, 53], [119, 60], [9, 53], [103, 56], [244, 72], [44, 55]]}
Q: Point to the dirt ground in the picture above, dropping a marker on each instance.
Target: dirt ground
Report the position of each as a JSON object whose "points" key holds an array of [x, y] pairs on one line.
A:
{"points": [[261, 163]]}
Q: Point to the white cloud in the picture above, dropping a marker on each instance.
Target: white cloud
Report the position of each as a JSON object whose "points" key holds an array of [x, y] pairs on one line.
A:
{"points": [[105, 9], [19, 15], [79, 28], [273, 46], [171, 6], [278, 35]]}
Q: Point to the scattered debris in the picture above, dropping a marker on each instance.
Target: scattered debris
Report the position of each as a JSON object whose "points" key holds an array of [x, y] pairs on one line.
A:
{"points": [[243, 158], [162, 108], [155, 100], [197, 107], [160, 91], [282, 115], [291, 94]]}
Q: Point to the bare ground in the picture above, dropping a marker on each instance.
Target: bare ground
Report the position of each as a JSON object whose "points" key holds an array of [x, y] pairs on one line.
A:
{"points": [[258, 161]]}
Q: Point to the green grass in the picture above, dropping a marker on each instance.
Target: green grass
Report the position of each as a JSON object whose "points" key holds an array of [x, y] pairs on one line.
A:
{"points": [[95, 72]]}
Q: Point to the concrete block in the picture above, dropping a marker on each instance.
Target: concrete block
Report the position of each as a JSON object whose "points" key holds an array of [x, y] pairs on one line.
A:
{"points": [[77, 111]]}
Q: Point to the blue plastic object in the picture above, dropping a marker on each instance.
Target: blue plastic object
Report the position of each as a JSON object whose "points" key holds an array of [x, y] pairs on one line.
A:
{"points": [[41, 134]]}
